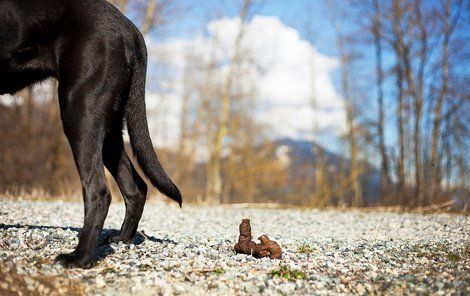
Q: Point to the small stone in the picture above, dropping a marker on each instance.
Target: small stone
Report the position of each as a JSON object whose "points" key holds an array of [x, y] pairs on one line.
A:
{"points": [[344, 280], [100, 282]]}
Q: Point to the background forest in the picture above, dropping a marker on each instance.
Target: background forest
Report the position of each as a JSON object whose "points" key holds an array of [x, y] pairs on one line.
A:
{"points": [[306, 102]]}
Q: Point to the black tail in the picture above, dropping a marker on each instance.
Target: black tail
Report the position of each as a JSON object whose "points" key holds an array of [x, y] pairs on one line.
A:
{"points": [[137, 127]]}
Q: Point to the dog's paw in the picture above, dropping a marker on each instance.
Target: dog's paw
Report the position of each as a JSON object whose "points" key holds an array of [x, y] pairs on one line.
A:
{"points": [[72, 261], [117, 238]]}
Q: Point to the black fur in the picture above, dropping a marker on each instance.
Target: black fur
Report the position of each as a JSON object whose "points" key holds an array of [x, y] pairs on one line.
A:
{"points": [[99, 58]]}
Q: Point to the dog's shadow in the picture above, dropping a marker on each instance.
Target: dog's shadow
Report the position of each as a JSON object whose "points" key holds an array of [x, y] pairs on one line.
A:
{"points": [[103, 248]]}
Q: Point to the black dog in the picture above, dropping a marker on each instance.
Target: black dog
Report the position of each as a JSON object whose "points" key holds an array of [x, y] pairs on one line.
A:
{"points": [[99, 58]]}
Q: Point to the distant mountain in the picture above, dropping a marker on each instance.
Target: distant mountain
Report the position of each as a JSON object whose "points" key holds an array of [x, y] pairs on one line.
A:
{"points": [[297, 158], [300, 155], [301, 151]]}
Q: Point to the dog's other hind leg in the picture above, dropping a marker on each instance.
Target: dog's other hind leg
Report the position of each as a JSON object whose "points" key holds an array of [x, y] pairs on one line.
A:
{"points": [[131, 185]]}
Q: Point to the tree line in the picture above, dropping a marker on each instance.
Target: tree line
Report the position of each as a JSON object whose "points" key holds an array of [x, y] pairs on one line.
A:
{"points": [[404, 85]]}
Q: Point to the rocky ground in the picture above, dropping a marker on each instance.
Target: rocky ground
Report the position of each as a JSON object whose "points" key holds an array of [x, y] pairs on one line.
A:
{"points": [[190, 251]]}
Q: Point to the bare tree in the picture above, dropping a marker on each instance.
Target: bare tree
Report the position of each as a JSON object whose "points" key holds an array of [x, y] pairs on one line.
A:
{"points": [[149, 16], [320, 194], [214, 175], [354, 171], [376, 29], [398, 47], [437, 123]]}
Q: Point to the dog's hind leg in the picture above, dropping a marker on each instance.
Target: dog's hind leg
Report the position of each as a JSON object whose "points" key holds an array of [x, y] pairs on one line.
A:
{"points": [[131, 185], [86, 104], [86, 139], [86, 143]]}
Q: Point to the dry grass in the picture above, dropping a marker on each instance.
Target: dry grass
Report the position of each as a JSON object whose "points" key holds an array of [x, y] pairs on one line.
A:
{"points": [[70, 194], [37, 194]]}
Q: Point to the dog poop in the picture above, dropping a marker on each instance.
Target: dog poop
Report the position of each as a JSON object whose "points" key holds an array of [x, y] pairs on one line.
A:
{"points": [[270, 246], [245, 245]]}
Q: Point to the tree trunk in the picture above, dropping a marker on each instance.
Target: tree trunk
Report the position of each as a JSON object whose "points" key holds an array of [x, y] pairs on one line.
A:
{"points": [[435, 160], [354, 172], [149, 16], [419, 99], [377, 31], [397, 13], [214, 180]]}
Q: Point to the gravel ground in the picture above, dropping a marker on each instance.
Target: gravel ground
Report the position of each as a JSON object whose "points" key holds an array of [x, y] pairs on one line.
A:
{"points": [[190, 251]]}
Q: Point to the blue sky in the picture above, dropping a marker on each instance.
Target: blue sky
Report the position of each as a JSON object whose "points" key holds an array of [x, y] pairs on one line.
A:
{"points": [[312, 20], [298, 14], [293, 13]]}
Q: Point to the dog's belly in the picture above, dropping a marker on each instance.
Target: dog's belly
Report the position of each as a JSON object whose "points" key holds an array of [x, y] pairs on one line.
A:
{"points": [[34, 57], [24, 67], [31, 58]]}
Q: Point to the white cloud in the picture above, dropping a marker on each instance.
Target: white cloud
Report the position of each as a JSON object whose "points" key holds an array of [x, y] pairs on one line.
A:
{"points": [[287, 73]]}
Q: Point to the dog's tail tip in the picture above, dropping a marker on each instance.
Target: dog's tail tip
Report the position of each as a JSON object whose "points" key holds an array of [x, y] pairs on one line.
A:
{"points": [[180, 201], [164, 184], [176, 196]]}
